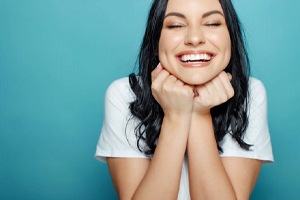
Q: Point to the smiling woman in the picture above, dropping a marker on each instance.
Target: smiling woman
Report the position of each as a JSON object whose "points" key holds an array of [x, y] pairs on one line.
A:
{"points": [[194, 36], [191, 124]]}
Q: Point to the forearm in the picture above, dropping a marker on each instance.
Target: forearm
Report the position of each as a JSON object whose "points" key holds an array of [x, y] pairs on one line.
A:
{"points": [[208, 178], [162, 178]]}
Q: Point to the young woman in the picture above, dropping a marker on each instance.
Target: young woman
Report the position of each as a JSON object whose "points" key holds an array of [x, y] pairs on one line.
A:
{"points": [[192, 124]]}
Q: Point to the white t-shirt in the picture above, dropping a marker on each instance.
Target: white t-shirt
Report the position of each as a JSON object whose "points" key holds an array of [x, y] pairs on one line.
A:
{"points": [[117, 138]]}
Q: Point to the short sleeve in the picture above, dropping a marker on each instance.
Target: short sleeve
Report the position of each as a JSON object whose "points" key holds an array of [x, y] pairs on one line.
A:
{"points": [[257, 133], [117, 137]]}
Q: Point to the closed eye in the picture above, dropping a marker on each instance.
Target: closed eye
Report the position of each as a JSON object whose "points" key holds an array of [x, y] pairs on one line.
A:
{"points": [[174, 26], [213, 24]]}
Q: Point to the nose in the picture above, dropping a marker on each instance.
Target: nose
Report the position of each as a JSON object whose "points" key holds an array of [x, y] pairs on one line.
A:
{"points": [[194, 36]]}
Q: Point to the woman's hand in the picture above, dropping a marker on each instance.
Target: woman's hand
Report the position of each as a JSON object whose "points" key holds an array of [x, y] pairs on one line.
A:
{"points": [[174, 96], [213, 93]]}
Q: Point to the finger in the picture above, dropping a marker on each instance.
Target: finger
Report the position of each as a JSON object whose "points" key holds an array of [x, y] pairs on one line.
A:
{"points": [[226, 78], [202, 95], [229, 76], [188, 89], [220, 90], [196, 94], [159, 80], [156, 71], [210, 87], [170, 81]]}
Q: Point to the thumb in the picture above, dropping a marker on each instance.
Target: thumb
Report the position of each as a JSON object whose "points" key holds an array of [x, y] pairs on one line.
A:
{"points": [[229, 76], [156, 71]]}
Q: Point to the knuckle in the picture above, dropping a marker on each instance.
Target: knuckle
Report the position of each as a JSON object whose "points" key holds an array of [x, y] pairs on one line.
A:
{"points": [[152, 73], [223, 98], [154, 86], [165, 87], [231, 92], [222, 74]]}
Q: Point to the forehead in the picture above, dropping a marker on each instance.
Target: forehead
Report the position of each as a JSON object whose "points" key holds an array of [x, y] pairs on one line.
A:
{"points": [[189, 6]]}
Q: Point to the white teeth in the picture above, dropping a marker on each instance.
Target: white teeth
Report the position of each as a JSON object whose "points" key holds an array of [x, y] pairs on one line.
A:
{"points": [[196, 57]]}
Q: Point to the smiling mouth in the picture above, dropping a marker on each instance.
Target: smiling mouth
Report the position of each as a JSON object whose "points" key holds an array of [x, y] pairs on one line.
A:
{"points": [[196, 58]]}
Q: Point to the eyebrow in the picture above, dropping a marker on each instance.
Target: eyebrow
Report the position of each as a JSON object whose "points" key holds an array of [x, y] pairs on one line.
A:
{"points": [[176, 14], [211, 13]]}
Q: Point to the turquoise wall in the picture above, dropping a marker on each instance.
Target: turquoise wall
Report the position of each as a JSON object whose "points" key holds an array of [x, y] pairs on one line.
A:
{"points": [[57, 58]]}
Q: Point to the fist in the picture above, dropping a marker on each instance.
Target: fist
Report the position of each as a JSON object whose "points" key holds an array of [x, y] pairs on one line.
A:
{"points": [[213, 93]]}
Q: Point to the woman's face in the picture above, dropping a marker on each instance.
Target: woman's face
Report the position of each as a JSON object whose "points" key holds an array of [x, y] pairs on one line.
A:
{"points": [[194, 44]]}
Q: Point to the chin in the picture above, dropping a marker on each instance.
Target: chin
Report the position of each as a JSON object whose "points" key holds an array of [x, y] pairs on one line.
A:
{"points": [[194, 80]]}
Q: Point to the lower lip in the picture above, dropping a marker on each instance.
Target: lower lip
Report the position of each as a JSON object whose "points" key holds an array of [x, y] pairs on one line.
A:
{"points": [[195, 64]]}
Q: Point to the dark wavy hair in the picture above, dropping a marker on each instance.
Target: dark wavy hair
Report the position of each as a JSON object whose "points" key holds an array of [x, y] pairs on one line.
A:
{"points": [[228, 118]]}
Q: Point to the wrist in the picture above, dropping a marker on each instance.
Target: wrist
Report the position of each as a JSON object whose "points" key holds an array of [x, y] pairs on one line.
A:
{"points": [[201, 115], [177, 117], [201, 126], [176, 124], [201, 121]]}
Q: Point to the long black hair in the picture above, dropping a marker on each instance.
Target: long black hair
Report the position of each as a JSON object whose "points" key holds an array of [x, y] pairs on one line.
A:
{"points": [[228, 118]]}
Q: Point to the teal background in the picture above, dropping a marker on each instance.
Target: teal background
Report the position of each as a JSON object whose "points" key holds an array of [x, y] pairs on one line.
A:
{"points": [[57, 58]]}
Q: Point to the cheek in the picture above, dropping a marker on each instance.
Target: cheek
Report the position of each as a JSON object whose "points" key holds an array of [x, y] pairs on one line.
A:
{"points": [[228, 49], [223, 43], [227, 46], [161, 45], [221, 40], [169, 41], [161, 52], [164, 49]]}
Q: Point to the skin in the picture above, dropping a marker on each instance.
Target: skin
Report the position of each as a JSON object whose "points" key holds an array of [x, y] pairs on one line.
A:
{"points": [[186, 93], [194, 27]]}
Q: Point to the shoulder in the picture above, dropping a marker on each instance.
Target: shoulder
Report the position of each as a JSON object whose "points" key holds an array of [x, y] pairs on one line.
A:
{"points": [[257, 133], [257, 93], [117, 138], [256, 88], [119, 91], [119, 86]]}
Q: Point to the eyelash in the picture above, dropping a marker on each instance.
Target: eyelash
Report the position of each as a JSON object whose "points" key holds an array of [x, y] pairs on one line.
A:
{"points": [[213, 24], [173, 26]]}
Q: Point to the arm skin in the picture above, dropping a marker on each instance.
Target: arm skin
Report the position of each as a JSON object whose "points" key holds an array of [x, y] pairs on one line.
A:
{"points": [[210, 176], [159, 179], [187, 127]]}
